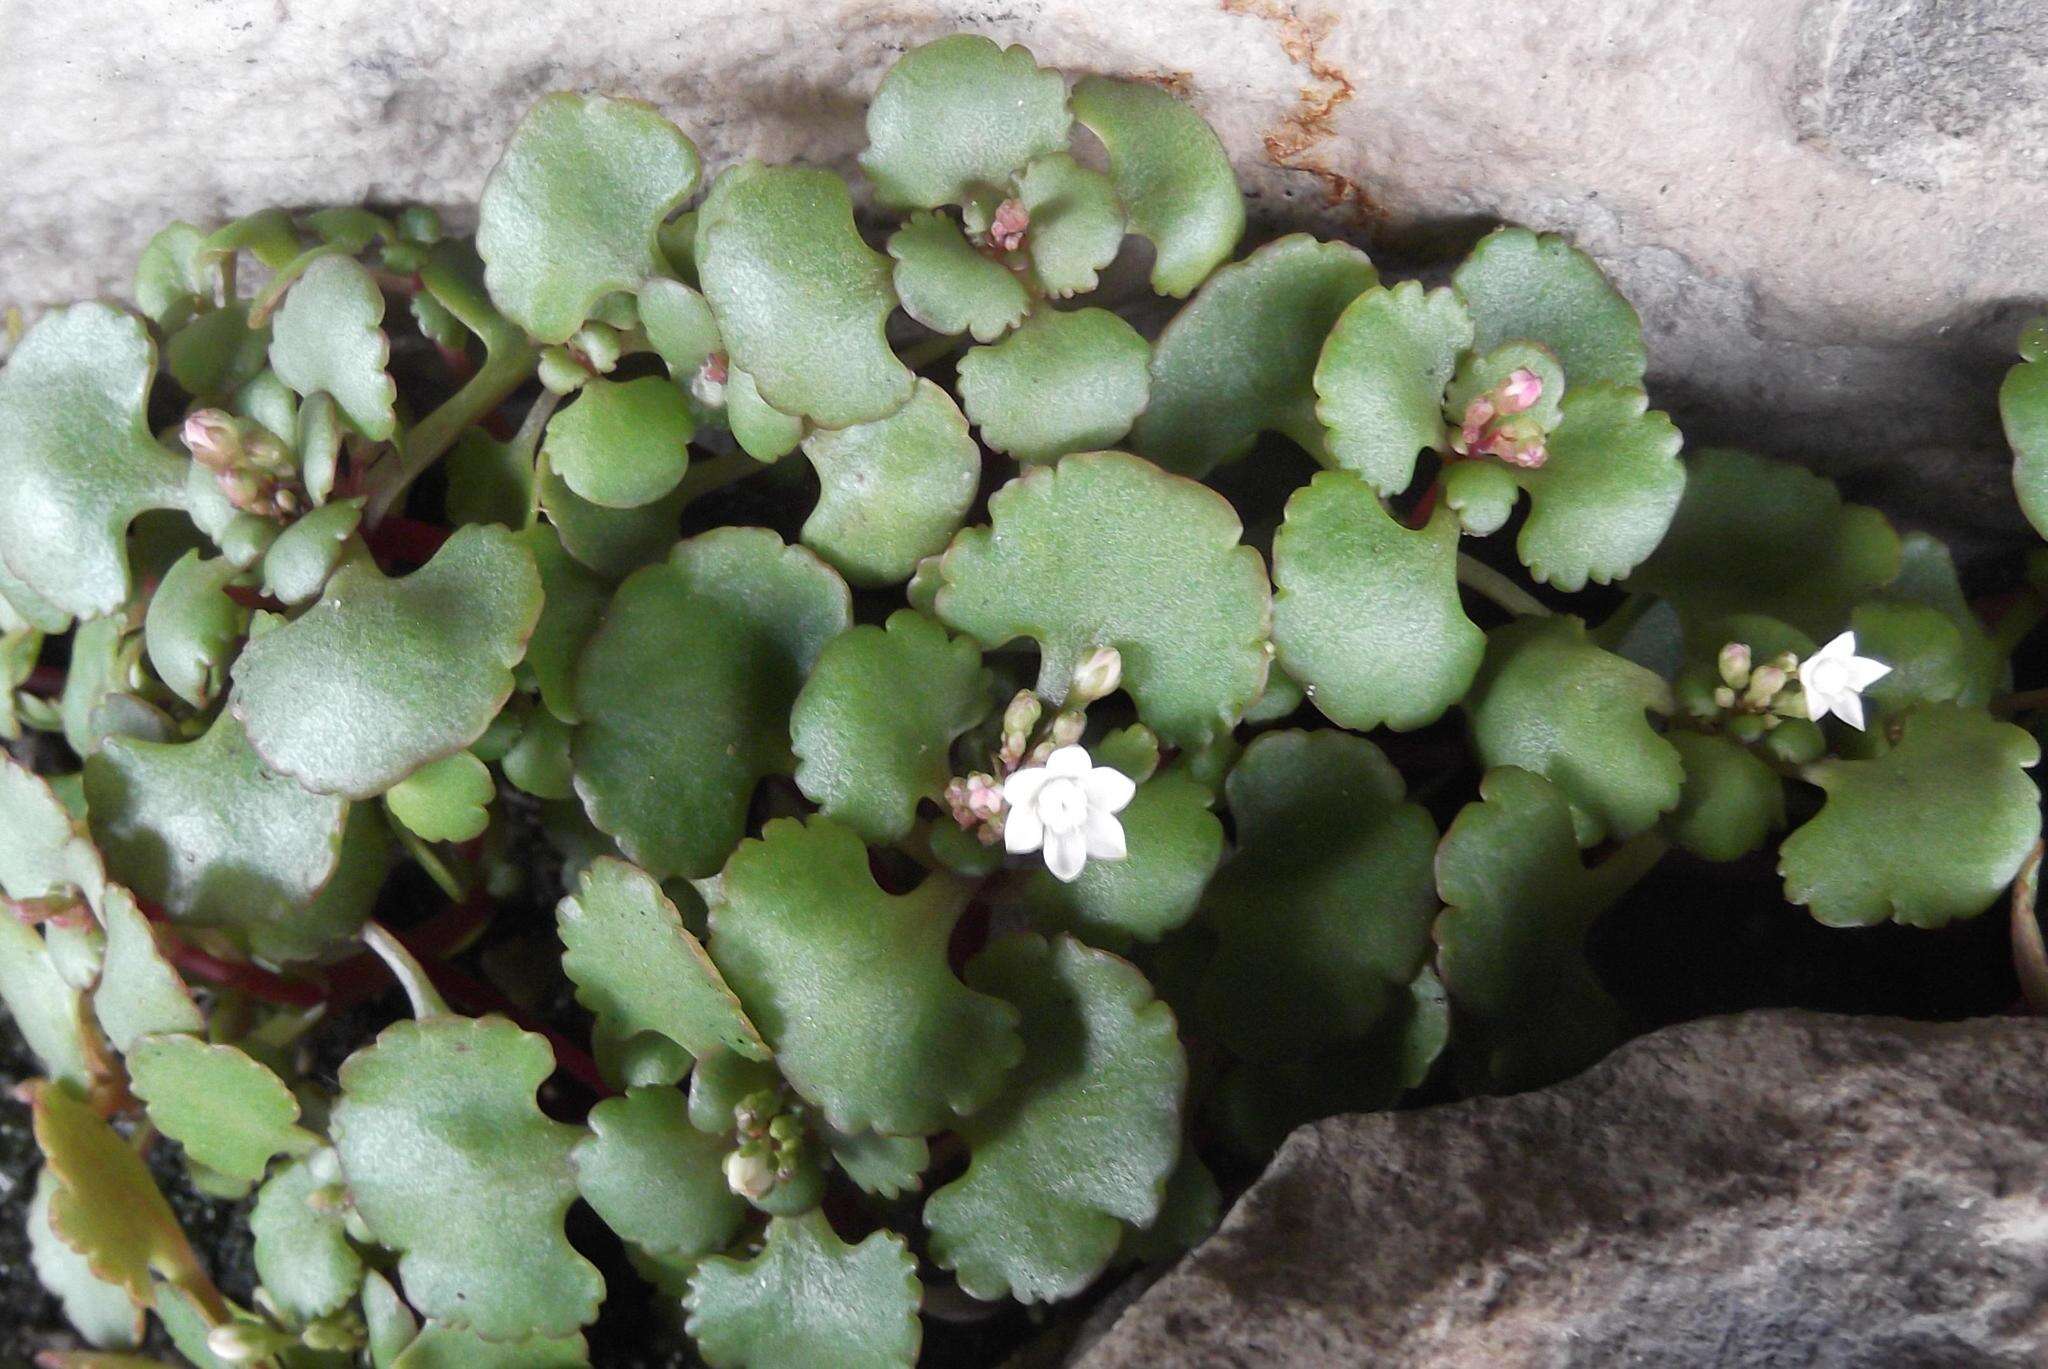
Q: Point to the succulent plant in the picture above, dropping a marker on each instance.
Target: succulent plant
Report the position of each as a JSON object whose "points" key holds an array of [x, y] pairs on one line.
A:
{"points": [[855, 755]]}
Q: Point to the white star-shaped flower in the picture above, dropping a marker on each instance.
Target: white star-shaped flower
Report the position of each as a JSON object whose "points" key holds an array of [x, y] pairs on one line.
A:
{"points": [[1834, 679], [1067, 807]]}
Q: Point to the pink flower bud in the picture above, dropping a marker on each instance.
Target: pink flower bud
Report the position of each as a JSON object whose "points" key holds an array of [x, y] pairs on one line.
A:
{"points": [[1521, 389], [1006, 230], [212, 438]]}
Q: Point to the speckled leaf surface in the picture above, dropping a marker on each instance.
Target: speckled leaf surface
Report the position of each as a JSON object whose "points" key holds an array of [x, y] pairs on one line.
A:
{"points": [[1519, 284], [1062, 382], [328, 338], [1381, 376], [957, 115], [892, 492], [808, 1299], [1172, 174], [656, 1179]]}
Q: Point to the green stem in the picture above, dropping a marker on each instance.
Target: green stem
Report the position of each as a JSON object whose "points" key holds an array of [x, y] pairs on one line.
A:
{"points": [[427, 859], [1489, 583], [1613, 877], [272, 293], [426, 1000], [2026, 701], [526, 448], [716, 473]]}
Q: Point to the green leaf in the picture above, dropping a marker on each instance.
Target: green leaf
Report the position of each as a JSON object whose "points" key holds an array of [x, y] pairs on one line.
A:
{"points": [[1175, 845], [450, 1162], [47, 1010], [1381, 377], [890, 1166], [573, 600], [139, 992], [99, 1310], [1518, 284], [1731, 802], [444, 800], [203, 830], [1107, 550], [637, 966], [686, 689], [1928, 832], [1076, 223], [1550, 701], [1240, 357], [77, 462], [958, 116], [302, 1253], [2023, 405], [104, 1205], [230, 1113], [654, 1178], [539, 762], [1603, 499], [447, 1347], [612, 542], [1510, 945], [1323, 913], [1083, 1139], [1366, 612], [488, 481], [679, 326], [800, 298], [874, 726], [172, 274], [948, 286], [893, 491], [305, 555], [390, 1323], [570, 212], [43, 849], [1927, 576], [1760, 536], [216, 353], [1063, 382], [1172, 174], [850, 984], [328, 338], [382, 676], [192, 627], [808, 1299], [622, 444]]}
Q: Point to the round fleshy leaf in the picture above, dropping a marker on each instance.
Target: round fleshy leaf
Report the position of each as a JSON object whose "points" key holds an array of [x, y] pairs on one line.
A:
{"points": [[800, 298], [172, 274], [139, 991], [1322, 914], [1550, 701], [850, 985], [43, 848], [382, 676], [448, 1347], [612, 542], [874, 727], [303, 1256], [1931, 661], [765, 433], [621, 444], [1928, 832], [1172, 174], [104, 1205], [654, 1178], [1366, 612], [450, 1162], [948, 286], [1084, 1136], [957, 116], [1511, 943], [1605, 496], [573, 601], [1175, 845], [77, 462], [204, 831], [1108, 550], [229, 1112], [444, 800], [686, 689], [1240, 357], [2023, 405], [893, 491], [638, 967], [890, 1166], [328, 338], [1760, 536], [1732, 801], [808, 1299], [216, 353], [1482, 493], [305, 555], [1063, 382], [1927, 577], [570, 212], [97, 1309], [192, 627], [46, 1009], [1076, 223], [679, 326], [488, 481], [1519, 284], [1381, 377]]}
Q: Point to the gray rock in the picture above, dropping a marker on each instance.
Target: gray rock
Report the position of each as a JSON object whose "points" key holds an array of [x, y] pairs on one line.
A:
{"points": [[1833, 213], [1769, 1189]]}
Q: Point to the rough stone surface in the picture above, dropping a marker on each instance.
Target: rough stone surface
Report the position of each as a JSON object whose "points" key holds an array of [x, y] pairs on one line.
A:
{"points": [[1763, 1190], [1833, 213]]}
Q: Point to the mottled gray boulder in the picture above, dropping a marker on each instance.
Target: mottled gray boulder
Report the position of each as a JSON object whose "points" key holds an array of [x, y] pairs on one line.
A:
{"points": [[1833, 213], [1769, 1189]]}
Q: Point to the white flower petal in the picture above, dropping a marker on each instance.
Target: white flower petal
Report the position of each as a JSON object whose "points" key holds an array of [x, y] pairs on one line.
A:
{"points": [[1070, 762], [1843, 644], [1849, 708], [1108, 790], [1105, 836], [1021, 789], [1023, 831], [1862, 672], [1065, 855]]}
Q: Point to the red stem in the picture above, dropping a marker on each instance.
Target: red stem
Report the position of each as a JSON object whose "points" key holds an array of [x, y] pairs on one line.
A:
{"points": [[408, 541], [1425, 506], [45, 681]]}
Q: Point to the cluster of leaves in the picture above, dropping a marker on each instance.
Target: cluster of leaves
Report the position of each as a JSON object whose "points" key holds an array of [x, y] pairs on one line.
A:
{"points": [[844, 1048]]}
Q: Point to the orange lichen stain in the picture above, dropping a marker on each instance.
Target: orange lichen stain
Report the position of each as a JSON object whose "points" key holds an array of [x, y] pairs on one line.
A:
{"points": [[1312, 122]]}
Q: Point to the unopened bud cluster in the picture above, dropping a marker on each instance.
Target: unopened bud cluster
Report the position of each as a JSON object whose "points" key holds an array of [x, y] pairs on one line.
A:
{"points": [[775, 1165], [1754, 702], [1497, 423], [976, 799], [256, 472]]}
